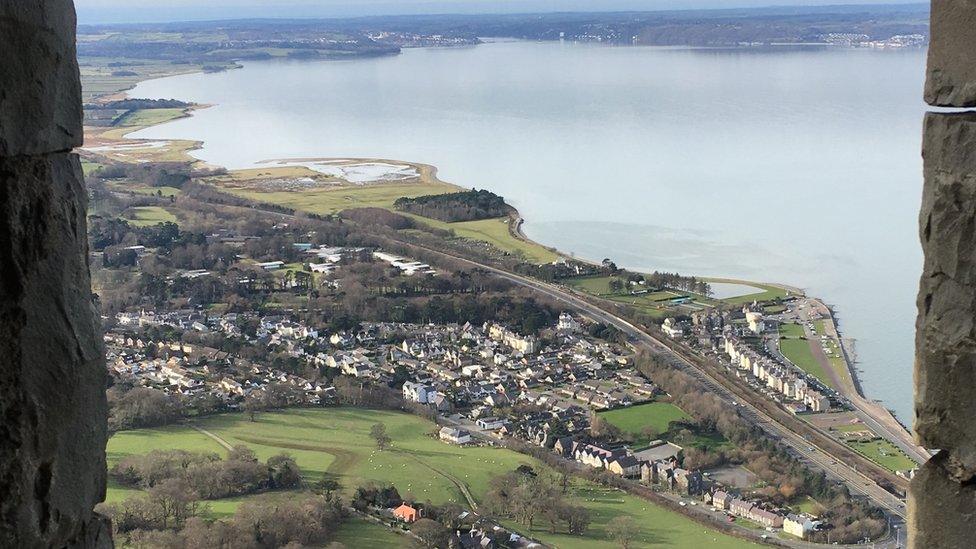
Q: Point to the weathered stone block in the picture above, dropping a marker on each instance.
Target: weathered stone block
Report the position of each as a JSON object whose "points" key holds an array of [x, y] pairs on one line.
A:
{"points": [[951, 74], [945, 365], [52, 371], [941, 510], [40, 89]]}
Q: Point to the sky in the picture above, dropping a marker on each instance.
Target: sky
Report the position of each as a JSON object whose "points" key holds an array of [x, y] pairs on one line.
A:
{"points": [[139, 11]]}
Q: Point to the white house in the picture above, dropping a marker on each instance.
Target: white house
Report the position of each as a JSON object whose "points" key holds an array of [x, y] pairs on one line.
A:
{"points": [[755, 321], [567, 323], [417, 392], [672, 328], [454, 435], [799, 525], [490, 423]]}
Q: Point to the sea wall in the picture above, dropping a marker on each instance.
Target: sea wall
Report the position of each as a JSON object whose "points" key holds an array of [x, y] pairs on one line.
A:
{"points": [[942, 498]]}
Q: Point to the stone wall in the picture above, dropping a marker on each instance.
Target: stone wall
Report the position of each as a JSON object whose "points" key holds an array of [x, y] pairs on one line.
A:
{"points": [[942, 498], [52, 372]]}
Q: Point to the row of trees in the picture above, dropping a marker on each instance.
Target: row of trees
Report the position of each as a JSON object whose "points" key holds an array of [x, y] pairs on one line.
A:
{"points": [[206, 476], [169, 521], [527, 497]]}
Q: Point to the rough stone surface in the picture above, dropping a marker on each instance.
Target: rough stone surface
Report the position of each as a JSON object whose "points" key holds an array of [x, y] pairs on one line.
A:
{"points": [[52, 372], [941, 511], [40, 89], [946, 326], [951, 75]]}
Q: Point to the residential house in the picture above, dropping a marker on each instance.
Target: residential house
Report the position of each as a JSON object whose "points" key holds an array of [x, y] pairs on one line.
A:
{"points": [[455, 435], [625, 466], [799, 525], [405, 513]]}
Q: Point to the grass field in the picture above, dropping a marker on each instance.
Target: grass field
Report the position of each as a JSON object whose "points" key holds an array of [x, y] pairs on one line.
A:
{"points": [[798, 352], [362, 534], [144, 216], [809, 505], [336, 442], [885, 454], [154, 191], [633, 419], [791, 330], [88, 167], [150, 117], [654, 304], [495, 232], [331, 201]]}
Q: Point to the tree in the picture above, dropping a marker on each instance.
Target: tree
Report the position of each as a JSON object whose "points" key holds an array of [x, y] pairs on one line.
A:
{"points": [[176, 501], [284, 472], [577, 518], [378, 434], [254, 403], [327, 485], [615, 285], [623, 530], [601, 428], [430, 533]]}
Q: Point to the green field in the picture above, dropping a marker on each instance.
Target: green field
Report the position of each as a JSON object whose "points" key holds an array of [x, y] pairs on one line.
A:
{"points": [[363, 534], [885, 454], [336, 442], [331, 201], [654, 304], [633, 419], [87, 167], [155, 191], [495, 232], [143, 216], [149, 117], [798, 352], [791, 330], [809, 505]]}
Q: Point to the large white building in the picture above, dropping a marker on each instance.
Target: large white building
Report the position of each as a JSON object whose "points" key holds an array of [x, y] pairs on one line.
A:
{"points": [[418, 392]]}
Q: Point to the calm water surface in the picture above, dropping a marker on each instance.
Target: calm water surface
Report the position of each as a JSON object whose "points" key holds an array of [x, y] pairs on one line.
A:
{"points": [[796, 166]]}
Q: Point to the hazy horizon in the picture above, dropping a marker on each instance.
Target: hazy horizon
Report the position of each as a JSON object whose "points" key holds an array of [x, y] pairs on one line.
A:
{"points": [[148, 11]]}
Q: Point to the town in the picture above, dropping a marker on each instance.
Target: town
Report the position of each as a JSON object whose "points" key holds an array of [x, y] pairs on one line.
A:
{"points": [[485, 383]]}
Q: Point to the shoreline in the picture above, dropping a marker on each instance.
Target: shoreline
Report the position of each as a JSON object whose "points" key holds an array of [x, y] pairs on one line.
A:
{"points": [[515, 221]]}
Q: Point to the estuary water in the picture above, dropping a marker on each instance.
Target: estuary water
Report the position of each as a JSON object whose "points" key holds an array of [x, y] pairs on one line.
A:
{"points": [[792, 165]]}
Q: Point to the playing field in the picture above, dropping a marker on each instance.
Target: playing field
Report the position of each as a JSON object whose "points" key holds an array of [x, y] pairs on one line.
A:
{"points": [[655, 304], [791, 330], [633, 419], [798, 352], [885, 454], [144, 216], [336, 441]]}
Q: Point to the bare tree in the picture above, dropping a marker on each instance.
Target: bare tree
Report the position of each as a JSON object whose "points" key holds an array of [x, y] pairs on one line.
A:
{"points": [[378, 434], [430, 534], [623, 530]]}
